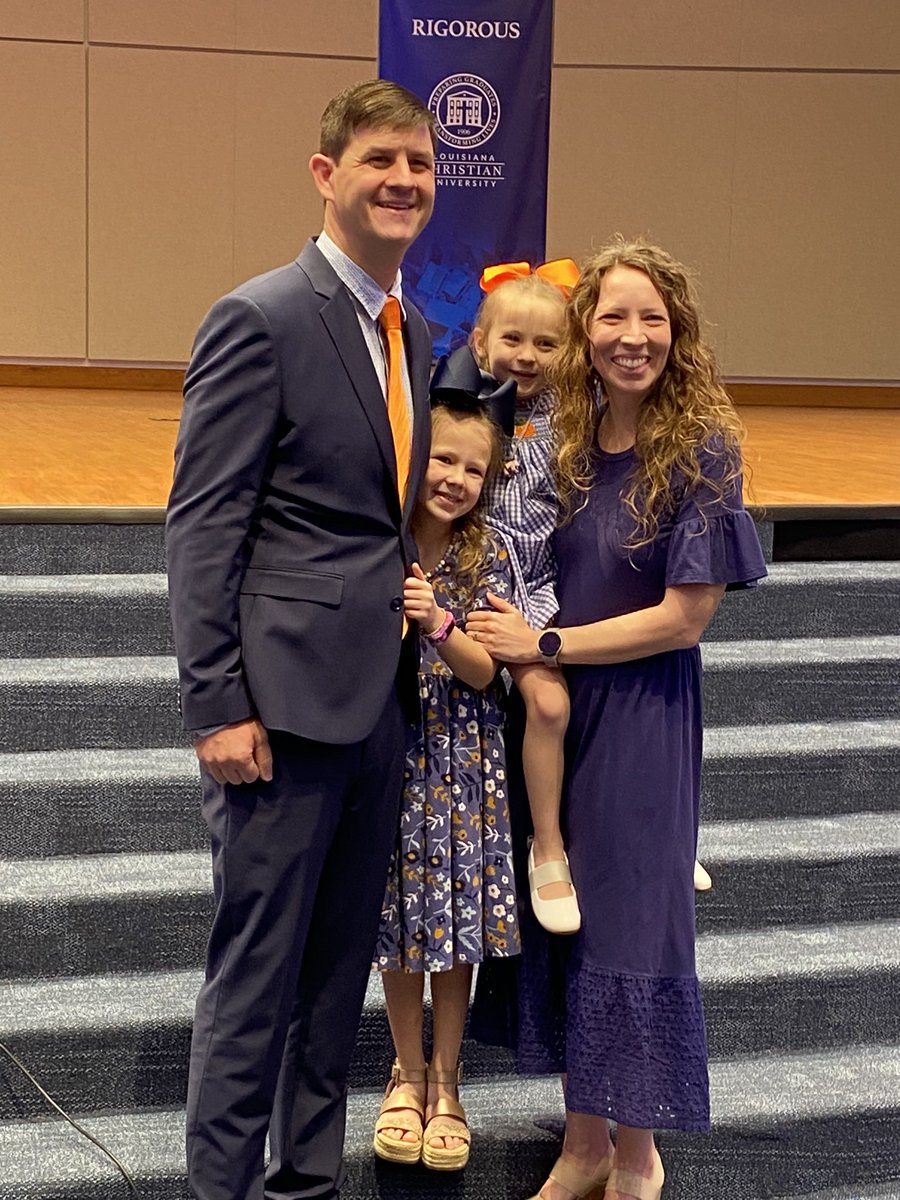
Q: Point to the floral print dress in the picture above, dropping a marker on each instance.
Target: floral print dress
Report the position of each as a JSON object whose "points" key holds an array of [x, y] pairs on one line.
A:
{"points": [[450, 895]]}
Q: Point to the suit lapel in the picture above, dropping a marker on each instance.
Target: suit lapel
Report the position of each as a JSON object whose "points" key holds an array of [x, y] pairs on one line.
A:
{"points": [[340, 319], [419, 352], [338, 314]]}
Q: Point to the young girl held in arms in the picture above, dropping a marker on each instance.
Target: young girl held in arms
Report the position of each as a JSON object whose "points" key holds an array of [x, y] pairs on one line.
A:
{"points": [[450, 898], [517, 332]]}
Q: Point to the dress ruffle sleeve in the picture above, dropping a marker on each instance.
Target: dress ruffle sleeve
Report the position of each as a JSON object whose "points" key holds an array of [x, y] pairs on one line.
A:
{"points": [[716, 549], [714, 538]]}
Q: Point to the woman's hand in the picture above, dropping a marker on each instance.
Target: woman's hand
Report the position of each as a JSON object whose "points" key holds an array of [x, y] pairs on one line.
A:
{"points": [[503, 632], [419, 603]]}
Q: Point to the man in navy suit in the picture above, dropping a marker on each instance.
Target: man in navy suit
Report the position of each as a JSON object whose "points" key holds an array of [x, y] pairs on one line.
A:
{"points": [[288, 543]]}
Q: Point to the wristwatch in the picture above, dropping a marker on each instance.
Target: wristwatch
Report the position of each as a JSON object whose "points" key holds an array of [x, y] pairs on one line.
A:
{"points": [[550, 644]]}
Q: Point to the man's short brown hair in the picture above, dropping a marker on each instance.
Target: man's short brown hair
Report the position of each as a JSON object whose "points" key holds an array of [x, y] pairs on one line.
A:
{"points": [[375, 104]]}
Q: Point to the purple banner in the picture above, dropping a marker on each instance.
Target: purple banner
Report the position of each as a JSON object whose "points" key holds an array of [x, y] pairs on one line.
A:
{"points": [[483, 68]]}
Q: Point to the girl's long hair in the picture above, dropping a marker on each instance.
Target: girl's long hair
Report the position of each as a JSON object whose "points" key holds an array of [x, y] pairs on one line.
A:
{"points": [[687, 409], [471, 533]]}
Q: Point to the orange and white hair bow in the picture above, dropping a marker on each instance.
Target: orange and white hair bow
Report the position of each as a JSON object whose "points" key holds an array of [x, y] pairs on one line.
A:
{"points": [[562, 272]]}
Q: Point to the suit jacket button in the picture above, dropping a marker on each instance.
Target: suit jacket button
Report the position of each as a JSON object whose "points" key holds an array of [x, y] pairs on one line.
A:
{"points": [[396, 604]]}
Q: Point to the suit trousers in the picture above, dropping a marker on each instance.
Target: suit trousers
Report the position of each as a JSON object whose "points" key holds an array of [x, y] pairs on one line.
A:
{"points": [[299, 871]]}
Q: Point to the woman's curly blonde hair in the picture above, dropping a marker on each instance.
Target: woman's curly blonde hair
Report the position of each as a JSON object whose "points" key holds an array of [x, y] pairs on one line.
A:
{"points": [[686, 410]]}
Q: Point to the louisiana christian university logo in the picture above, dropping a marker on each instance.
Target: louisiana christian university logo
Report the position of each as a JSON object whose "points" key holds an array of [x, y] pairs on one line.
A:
{"points": [[466, 111]]}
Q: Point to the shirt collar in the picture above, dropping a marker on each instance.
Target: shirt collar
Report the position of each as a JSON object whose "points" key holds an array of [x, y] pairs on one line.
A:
{"points": [[368, 294]]}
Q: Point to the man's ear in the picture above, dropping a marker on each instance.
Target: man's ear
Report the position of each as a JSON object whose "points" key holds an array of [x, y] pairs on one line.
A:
{"points": [[322, 168]]}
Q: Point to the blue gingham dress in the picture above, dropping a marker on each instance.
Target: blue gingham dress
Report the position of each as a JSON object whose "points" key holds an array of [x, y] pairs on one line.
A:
{"points": [[522, 509]]}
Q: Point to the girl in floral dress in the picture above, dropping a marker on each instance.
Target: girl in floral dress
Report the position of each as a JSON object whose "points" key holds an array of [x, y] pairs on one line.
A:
{"points": [[450, 898]]}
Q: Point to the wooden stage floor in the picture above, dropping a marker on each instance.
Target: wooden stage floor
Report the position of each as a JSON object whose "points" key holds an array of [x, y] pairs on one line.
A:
{"points": [[84, 448]]}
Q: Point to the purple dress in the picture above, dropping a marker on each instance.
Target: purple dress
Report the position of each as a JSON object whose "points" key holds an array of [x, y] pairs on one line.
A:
{"points": [[628, 1026]]}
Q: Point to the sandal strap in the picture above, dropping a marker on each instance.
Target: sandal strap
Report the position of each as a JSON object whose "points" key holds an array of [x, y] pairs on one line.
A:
{"points": [[576, 1181], [629, 1183], [399, 1118], [447, 1119], [397, 1100], [555, 871], [399, 1075], [454, 1075]]}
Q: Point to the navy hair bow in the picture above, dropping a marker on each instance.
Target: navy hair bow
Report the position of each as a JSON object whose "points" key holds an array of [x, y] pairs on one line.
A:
{"points": [[459, 383]]}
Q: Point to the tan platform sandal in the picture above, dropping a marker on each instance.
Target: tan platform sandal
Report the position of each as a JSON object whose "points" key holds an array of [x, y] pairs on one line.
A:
{"points": [[446, 1118], [579, 1183], [400, 1109], [638, 1187]]}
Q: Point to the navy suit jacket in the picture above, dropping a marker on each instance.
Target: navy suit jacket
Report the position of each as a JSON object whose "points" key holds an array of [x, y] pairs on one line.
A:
{"points": [[286, 545]]}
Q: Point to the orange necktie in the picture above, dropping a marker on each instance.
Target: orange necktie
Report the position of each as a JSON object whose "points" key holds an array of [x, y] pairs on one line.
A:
{"points": [[398, 411]]}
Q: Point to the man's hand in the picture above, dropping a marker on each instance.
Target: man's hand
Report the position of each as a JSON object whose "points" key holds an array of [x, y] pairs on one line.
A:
{"points": [[238, 753], [503, 632]]}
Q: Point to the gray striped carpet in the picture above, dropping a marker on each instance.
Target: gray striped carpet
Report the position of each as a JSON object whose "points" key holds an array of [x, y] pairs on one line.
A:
{"points": [[105, 896]]}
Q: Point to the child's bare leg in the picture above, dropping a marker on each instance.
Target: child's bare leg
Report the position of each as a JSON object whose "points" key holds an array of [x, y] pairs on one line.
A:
{"points": [[547, 715], [403, 995], [449, 1003]]}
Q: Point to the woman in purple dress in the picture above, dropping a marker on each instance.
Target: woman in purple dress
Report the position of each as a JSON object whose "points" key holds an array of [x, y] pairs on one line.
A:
{"points": [[653, 531]]}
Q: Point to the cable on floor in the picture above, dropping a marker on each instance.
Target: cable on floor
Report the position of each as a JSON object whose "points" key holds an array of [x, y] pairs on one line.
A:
{"points": [[90, 1137]]}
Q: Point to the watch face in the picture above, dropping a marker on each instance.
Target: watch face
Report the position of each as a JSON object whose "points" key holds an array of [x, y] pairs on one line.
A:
{"points": [[549, 643]]}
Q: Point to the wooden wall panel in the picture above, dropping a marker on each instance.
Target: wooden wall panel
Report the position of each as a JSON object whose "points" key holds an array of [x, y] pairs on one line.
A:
{"points": [[626, 158], [815, 276], [692, 33], [50, 20], [864, 35], [200, 23], [346, 28], [161, 198], [42, 202], [279, 103], [755, 141]]}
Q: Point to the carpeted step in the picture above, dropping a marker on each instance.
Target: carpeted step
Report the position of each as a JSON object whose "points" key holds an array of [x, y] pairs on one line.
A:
{"points": [[834, 599], [862, 1191], [812, 988], [120, 614], [782, 1124], [800, 769], [104, 912], [107, 703], [54, 703], [69, 802], [82, 615], [133, 911], [824, 679], [82, 548], [800, 871], [122, 1040]]}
